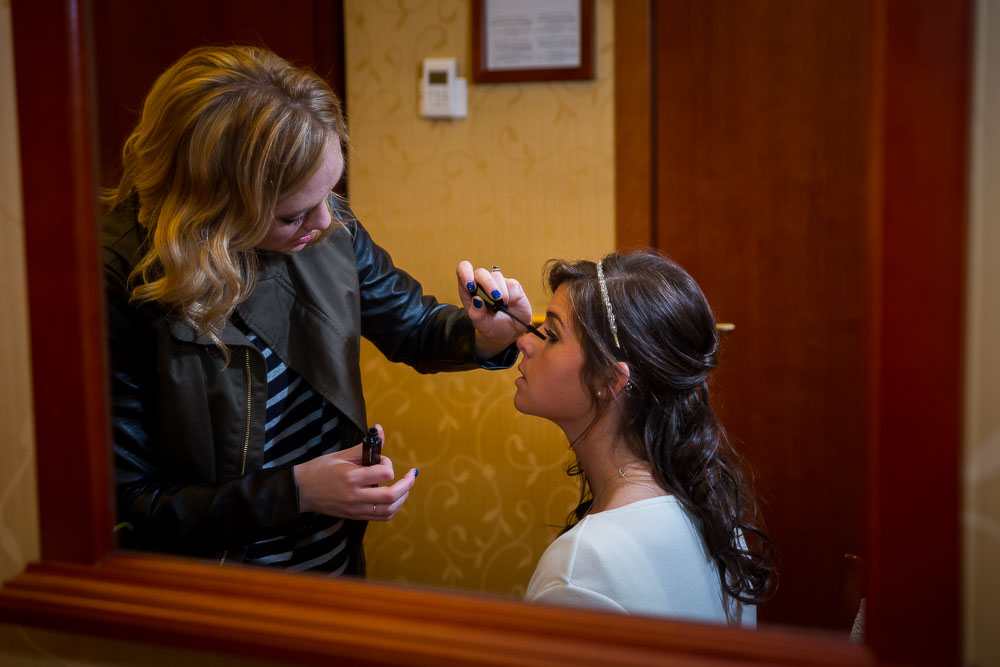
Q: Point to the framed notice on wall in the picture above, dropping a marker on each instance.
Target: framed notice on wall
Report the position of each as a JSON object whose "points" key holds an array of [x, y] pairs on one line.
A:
{"points": [[532, 40]]}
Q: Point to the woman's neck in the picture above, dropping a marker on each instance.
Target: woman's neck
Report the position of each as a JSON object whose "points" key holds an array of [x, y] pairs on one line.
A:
{"points": [[615, 475]]}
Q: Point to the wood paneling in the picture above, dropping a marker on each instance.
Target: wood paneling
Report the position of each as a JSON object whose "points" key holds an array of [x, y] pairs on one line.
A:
{"points": [[300, 618], [921, 154], [810, 163], [635, 168], [64, 285], [135, 41], [762, 194]]}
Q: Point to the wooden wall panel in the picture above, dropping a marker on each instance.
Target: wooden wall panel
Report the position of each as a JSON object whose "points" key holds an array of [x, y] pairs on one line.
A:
{"points": [[762, 194], [811, 165], [135, 41]]}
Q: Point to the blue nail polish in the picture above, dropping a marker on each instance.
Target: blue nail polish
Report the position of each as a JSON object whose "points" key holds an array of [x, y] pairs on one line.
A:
{"points": [[415, 472], [471, 286], [477, 302], [495, 294]]}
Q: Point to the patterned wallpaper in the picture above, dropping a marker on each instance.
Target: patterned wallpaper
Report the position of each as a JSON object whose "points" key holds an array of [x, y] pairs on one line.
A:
{"points": [[526, 177]]}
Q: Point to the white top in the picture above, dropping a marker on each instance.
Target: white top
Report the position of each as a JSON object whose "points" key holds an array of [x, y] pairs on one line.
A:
{"points": [[644, 558]]}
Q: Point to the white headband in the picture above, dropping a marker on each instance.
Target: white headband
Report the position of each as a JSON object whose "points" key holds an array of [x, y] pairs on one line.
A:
{"points": [[607, 303]]}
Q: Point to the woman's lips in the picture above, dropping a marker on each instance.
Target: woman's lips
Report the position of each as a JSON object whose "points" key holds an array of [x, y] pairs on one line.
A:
{"points": [[302, 240]]}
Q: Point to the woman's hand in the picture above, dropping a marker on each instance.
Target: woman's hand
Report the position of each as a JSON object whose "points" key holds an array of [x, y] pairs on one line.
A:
{"points": [[494, 331], [338, 485]]}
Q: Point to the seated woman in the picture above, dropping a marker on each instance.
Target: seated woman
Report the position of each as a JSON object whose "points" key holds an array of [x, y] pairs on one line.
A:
{"points": [[666, 522]]}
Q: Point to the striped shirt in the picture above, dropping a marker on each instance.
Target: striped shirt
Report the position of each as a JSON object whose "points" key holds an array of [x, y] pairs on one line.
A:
{"points": [[300, 425]]}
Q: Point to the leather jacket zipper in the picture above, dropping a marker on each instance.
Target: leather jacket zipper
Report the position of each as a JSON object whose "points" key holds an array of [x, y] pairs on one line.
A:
{"points": [[246, 431]]}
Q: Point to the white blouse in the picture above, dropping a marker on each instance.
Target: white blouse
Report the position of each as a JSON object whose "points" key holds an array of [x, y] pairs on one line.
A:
{"points": [[644, 558]]}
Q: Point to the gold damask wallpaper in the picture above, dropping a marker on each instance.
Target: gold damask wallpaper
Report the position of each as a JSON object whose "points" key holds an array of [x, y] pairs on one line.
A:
{"points": [[527, 176]]}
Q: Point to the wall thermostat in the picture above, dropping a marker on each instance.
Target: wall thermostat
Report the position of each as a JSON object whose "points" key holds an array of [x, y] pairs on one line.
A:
{"points": [[443, 94]]}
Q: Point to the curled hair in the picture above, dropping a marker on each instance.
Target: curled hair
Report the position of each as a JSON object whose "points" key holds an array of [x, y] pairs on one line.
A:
{"points": [[224, 134], [667, 336]]}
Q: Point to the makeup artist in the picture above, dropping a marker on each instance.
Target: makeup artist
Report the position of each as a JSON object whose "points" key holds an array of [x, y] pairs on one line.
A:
{"points": [[238, 287]]}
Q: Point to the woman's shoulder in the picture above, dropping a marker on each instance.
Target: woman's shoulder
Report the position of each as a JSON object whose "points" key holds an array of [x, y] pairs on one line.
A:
{"points": [[624, 532], [648, 557], [648, 512]]}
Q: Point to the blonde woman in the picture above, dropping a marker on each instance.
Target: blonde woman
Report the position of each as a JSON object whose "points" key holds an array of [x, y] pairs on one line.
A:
{"points": [[239, 286]]}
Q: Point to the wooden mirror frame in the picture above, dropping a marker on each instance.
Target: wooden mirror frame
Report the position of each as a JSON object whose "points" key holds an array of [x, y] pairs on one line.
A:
{"points": [[82, 584]]}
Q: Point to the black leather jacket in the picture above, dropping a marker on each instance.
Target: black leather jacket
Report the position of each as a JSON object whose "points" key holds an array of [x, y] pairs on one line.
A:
{"points": [[188, 428]]}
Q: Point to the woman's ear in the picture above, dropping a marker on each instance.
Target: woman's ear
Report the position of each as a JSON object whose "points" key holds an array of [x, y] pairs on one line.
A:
{"points": [[621, 378]]}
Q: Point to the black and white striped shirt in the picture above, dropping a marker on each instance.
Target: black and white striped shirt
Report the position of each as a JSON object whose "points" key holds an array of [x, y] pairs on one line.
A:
{"points": [[300, 426]]}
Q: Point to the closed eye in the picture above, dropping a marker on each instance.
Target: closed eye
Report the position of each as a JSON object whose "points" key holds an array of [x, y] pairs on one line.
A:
{"points": [[550, 335], [297, 220]]}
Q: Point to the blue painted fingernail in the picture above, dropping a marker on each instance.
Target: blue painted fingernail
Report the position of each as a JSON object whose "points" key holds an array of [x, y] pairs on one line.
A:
{"points": [[471, 286], [477, 302], [415, 472], [495, 294]]}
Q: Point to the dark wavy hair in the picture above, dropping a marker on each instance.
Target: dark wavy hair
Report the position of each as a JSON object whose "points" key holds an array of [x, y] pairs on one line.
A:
{"points": [[667, 336]]}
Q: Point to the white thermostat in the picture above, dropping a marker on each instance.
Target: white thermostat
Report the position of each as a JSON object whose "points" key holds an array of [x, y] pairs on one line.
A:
{"points": [[443, 94]]}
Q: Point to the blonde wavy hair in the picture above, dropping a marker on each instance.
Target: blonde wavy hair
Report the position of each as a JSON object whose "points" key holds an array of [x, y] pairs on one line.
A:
{"points": [[225, 133]]}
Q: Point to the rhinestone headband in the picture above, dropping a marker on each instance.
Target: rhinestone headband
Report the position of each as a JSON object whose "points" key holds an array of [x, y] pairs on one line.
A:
{"points": [[607, 303]]}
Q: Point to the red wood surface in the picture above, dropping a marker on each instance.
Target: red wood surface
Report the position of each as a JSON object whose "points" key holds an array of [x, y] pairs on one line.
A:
{"points": [[922, 153], [301, 618], [635, 168], [762, 194], [905, 119], [64, 285], [135, 41]]}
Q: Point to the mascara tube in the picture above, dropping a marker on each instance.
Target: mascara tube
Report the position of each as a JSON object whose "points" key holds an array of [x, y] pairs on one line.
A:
{"points": [[371, 449]]}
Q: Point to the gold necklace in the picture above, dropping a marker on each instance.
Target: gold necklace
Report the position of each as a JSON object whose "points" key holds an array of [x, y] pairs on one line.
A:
{"points": [[650, 484], [626, 480]]}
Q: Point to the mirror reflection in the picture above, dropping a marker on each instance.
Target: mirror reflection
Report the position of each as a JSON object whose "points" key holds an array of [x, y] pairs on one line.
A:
{"points": [[528, 176], [238, 286]]}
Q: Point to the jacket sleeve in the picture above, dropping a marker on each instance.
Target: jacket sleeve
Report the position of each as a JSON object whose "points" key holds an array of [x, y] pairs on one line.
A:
{"points": [[161, 506], [407, 325]]}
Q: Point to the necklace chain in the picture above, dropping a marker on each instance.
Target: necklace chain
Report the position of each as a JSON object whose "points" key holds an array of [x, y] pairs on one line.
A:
{"points": [[626, 480]]}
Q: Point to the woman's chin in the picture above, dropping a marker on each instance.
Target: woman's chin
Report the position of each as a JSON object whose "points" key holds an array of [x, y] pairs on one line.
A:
{"points": [[519, 402]]}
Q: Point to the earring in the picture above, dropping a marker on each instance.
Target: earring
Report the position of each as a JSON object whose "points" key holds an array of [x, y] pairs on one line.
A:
{"points": [[600, 394], [628, 385]]}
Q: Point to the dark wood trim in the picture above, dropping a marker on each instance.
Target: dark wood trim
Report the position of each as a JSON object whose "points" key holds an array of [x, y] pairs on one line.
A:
{"points": [[64, 284], [328, 36], [291, 618], [635, 169], [922, 155]]}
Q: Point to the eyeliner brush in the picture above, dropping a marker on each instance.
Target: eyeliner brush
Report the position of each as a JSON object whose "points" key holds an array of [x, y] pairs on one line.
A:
{"points": [[497, 305]]}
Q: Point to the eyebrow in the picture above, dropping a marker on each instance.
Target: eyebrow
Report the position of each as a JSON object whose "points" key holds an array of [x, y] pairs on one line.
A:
{"points": [[555, 316]]}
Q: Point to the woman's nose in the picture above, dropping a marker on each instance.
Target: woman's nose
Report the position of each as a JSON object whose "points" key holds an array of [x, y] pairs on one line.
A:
{"points": [[322, 218], [525, 344]]}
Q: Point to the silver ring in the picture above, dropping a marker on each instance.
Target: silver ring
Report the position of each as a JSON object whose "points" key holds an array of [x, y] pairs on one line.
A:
{"points": [[374, 510], [495, 268]]}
